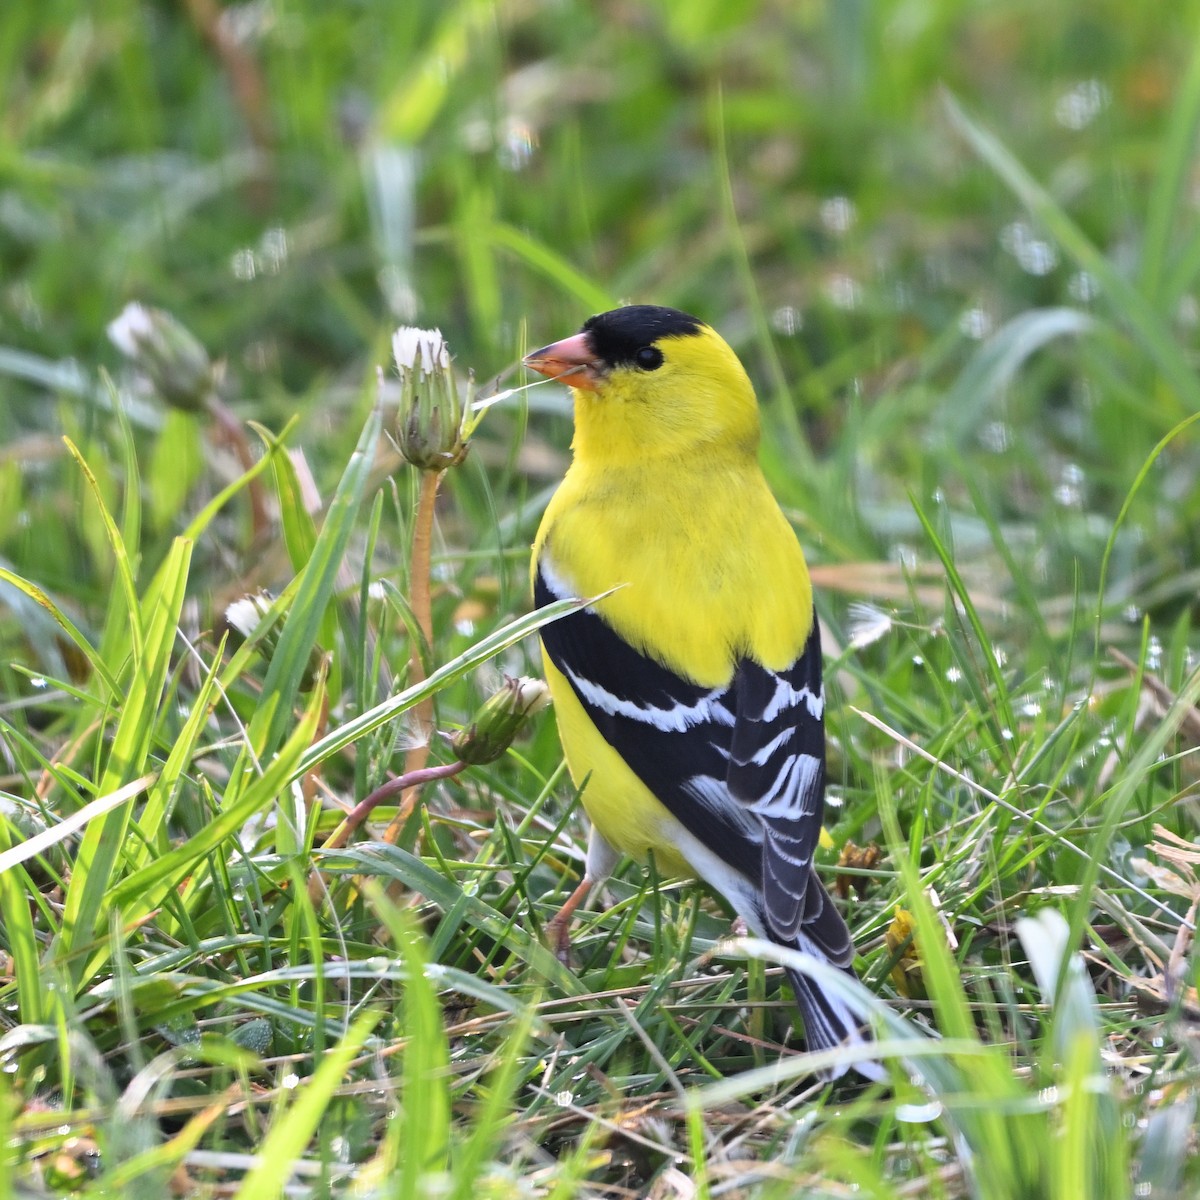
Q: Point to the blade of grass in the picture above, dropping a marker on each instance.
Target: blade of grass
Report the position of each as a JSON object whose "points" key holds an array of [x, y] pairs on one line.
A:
{"points": [[380, 858], [204, 518], [494, 1113], [416, 99], [992, 367], [11, 1154], [159, 803], [962, 597], [124, 568], [1176, 160], [39, 597], [31, 847], [422, 1128], [1126, 302], [142, 890], [387, 710], [290, 661], [1126, 504], [103, 842], [1121, 796], [553, 266], [1019, 813], [20, 935], [800, 451]]}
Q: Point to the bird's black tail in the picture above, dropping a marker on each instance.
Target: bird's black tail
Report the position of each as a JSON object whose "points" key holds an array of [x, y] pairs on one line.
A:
{"points": [[829, 1025], [828, 1022]]}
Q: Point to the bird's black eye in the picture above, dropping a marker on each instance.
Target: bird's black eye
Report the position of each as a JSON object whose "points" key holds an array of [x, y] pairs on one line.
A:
{"points": [[649, 358]]}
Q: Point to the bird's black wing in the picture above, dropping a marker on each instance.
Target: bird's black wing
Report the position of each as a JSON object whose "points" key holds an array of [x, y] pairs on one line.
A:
{"points": [[741, 767], [777, 771], [675, 735]]}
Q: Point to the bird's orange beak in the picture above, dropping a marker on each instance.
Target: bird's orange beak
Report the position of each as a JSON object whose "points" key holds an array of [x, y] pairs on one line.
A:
{"points": [[570, 360]]}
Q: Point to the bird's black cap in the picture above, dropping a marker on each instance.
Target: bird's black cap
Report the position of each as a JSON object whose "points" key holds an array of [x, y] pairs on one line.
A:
{"points": [[617, 336]]}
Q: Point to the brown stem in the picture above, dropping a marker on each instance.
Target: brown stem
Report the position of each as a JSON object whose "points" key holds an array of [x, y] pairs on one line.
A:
{"points": [[420, 584], [234, 433], [410, 782]]}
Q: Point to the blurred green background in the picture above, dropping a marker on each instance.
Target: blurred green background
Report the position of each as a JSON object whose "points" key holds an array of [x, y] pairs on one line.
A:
{"points": [[956, 245]]}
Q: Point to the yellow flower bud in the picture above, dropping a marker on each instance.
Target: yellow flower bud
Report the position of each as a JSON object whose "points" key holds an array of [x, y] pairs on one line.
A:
{"points": [[906, 974]]}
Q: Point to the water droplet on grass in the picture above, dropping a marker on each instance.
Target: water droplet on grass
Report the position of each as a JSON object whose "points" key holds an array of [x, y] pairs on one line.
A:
{"points": [[918, 1114], [843, 291], [996, 436], [1080, 105], [975, 323], [274, 244], [517, 146], [1154, 654], [244, 264], [1083, 287], [1069, 492], [838, 214], [787, 319], [1034, 255]]}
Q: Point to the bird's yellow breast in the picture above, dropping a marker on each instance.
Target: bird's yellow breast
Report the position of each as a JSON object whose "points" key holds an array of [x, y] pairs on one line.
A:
{"points": [[707, 568]]}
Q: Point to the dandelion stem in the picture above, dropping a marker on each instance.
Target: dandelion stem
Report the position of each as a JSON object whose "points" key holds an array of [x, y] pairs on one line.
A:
{"points": [[421, 599], [408, 784]]}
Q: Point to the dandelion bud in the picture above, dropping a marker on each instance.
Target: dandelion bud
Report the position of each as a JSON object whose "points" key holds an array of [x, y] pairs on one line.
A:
{"points": [[245, 616], [169, 355], [429, 424], [501, 718]]}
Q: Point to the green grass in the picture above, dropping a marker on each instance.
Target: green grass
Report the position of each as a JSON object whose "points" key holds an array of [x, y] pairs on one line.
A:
{"points": [[956, 246]]}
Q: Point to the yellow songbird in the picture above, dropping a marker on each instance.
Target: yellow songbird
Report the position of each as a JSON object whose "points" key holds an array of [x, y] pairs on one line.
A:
{"points": [[689, 698]]}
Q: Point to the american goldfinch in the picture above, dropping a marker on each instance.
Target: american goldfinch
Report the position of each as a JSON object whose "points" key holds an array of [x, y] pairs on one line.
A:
{"points": [[689, 699]]}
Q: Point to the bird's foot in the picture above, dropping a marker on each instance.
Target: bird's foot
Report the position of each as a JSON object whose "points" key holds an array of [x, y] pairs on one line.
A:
{"points": [[558, 934], [558, 931]]}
